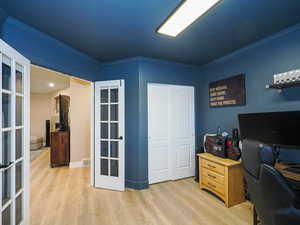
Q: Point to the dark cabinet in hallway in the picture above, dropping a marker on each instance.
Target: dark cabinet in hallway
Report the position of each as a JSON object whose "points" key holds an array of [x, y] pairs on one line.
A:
{"points": [[60, 148]]}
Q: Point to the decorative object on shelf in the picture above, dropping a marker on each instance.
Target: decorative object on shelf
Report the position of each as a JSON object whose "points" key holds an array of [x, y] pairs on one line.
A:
{"points": [[287, 77], [285, 80], [228, 92]]}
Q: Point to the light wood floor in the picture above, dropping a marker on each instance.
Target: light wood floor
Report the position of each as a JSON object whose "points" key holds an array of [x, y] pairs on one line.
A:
{"points": [[63, 196]]}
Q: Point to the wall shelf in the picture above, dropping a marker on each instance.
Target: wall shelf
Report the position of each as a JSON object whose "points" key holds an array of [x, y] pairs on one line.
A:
{"points": [[279, 87]]}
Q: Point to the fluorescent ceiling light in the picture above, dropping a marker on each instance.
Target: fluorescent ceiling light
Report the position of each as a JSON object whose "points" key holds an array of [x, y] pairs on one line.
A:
{"points": [[184, 15]]}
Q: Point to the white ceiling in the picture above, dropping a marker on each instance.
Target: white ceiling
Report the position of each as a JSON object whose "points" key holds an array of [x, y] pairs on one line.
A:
{"points": [[41, 77]]}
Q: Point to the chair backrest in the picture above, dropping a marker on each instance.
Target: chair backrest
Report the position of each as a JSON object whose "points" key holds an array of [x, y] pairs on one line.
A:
{"points": [[273, 198], [251, 158]]}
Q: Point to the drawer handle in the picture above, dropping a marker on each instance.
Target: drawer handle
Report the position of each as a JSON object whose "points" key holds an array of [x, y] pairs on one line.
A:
{"points": [[211, 176], [212, 185], [211, 166]]}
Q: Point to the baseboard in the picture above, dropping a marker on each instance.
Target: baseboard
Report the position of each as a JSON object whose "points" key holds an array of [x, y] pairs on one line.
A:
{"points": [[79, 164], [76, 164]]}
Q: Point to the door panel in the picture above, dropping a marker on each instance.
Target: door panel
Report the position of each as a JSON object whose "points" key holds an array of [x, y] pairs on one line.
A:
{"points": [[109, 135], [158, 132], [14, 157], [171, 139], [183, 132]]}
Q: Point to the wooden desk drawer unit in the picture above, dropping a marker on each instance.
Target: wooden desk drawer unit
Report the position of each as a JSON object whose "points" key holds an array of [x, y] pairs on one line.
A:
{"points": [[213, 166], [223, 177], [213, 176], [213, 185]]}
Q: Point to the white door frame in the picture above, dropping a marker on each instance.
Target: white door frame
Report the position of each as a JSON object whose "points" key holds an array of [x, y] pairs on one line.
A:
{"points": [[104, 181], [92, 140], [25, 191], [171, 175]]}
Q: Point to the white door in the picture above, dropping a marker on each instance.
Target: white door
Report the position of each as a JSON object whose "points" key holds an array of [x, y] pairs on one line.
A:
{"points": [[158, 133], [14, 136], [109, 135], [171, 132], [182, 132]]}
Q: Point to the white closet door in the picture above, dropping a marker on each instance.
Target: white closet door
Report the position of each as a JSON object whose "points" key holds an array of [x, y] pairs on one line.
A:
{"points": [[182, 132], [171, 131], [158, 132]]}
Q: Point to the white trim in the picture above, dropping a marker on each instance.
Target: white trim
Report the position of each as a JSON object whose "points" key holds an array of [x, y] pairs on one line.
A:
{"points": [[26, 131], [78, 164], [18, 58], [92, 135]]}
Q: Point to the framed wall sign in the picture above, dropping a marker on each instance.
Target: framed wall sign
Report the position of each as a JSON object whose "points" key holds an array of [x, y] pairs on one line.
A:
{"points": [[228, 92]]}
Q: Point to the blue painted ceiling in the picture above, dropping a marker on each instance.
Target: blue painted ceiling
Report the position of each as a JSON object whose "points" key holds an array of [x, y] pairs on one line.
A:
{"points": [[114, 29]]}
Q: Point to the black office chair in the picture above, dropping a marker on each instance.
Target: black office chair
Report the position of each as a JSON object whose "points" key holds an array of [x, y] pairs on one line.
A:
{"points": [[274, 200]]}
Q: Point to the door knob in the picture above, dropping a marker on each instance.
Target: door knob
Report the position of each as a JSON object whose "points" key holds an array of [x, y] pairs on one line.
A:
{"points": [[4, 166]]}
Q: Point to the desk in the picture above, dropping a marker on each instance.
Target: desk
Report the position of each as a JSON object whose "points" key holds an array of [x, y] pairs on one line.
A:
{"points": [[288, 174]]}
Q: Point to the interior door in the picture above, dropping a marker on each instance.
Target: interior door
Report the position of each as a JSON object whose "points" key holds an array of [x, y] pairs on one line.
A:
{"points": [[171, 132], [182, 132], [109, 135], [14, 135], [158, 133]]}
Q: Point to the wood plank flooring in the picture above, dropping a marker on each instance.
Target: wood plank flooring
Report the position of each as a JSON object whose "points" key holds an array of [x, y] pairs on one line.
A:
{"points": [[63, 196]]}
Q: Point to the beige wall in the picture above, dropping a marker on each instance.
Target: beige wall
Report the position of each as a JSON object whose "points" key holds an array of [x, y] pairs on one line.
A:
{"points": [[40, 110], [80, 97]]}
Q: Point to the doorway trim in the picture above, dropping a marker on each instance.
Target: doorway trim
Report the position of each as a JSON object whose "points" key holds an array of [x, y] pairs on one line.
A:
{"points": [[92, 144]]}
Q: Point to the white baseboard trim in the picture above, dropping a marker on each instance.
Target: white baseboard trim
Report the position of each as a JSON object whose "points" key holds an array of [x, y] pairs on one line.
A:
{"points": [[76, 164], [79, 164]]}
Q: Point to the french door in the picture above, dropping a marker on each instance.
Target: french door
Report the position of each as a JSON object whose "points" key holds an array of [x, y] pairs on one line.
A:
{"points": [[14, 136], [109, 168], [171, 132]]}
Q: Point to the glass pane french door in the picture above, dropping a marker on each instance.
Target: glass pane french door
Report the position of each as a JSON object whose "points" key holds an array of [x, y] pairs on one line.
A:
{"points": [[13, 163], [109, 135]]}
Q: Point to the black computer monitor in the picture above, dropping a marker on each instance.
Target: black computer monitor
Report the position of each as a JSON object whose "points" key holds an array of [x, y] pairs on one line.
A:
{"points": [[274, 128]]}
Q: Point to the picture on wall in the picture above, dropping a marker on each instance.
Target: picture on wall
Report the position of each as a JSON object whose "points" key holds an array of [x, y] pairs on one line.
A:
{"points": [[228, 92]]}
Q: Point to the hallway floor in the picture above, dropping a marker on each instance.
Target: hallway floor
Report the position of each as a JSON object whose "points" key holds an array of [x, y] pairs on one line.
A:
{"points": [[63, 196], [36, 153]]}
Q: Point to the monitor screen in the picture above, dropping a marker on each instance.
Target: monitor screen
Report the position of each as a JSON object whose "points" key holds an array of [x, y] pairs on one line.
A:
{"points": [[274, 128]]}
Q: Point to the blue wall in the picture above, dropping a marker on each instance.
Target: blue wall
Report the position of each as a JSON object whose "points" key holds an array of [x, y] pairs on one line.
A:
{"points": [[278, 53], [48, 52], [275, 54], [137, 72], [3, 17]]}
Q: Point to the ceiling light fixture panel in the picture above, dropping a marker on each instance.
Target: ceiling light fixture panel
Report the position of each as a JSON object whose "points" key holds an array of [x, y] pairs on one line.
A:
{"points": [[184, 15]]}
